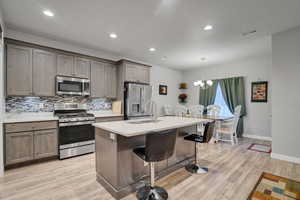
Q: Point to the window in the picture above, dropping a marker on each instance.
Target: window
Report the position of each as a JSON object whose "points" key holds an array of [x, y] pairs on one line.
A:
{"points": [[219, 100]]}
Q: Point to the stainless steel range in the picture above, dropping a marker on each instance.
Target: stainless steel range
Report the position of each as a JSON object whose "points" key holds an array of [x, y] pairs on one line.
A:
{"points": [[76, 133]]}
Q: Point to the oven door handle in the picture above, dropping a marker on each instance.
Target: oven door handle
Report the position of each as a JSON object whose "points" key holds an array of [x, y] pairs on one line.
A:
{"points": [[75, 123]]}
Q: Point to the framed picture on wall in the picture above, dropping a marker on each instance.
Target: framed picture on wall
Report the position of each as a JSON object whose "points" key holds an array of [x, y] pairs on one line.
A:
{"points": [[163, 90], [259, 91]]}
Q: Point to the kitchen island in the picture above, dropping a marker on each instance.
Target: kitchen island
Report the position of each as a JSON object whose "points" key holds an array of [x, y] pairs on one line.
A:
{"points": [[119, 170]]}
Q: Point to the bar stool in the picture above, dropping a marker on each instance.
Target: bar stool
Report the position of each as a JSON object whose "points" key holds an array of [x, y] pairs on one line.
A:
{"points": [[208, 133], [159, 146]]}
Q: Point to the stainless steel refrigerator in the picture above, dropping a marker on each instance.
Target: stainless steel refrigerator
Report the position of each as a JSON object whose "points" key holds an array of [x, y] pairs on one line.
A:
{"points": [[137, 98]]}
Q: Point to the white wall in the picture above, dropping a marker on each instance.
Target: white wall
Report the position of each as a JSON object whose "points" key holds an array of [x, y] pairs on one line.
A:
{"points": [[171, 78], [257, 121], [286, 95], [1, 98]]}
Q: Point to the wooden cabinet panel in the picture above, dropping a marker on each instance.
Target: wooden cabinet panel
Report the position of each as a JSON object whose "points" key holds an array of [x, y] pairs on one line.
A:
{"points": [[19, 147], [137, 73], [98, 82], [30, 126], [82, 68], [45, 143], [44, 72], [19, 127], [131, 73], [19, 70], [111, 81], [44, 125], [65, 65], [144, 74]]}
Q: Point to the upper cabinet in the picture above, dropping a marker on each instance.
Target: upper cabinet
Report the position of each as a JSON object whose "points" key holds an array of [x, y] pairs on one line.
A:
{"points": [[111, 80], [68, 65], [136, 72], [31, 71], [65, 65], [19, 70], [44, 72], [82, 68], [97, 79], [103, 80]]}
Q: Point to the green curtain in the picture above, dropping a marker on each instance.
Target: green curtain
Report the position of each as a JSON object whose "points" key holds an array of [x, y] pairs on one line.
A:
{"points": [[207, 96], [233, 90]]}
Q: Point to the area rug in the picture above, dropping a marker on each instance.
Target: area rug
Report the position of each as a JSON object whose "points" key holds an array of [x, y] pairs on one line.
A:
{"points": [[271, 187], [260, 148]]}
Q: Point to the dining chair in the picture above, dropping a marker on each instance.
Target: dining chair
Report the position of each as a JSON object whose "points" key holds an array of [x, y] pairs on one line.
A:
{"points": [[180, 110], [229, 127], [214, 110], [168, 110], [197, 111]]}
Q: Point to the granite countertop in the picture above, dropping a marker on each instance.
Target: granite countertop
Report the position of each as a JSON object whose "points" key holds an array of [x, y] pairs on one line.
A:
{"points": [[28, 117], [47, 116], [129, 129], [106, 113]]}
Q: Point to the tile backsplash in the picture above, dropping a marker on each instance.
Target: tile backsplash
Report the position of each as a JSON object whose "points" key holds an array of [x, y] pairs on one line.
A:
{"points": [[46, 104]]}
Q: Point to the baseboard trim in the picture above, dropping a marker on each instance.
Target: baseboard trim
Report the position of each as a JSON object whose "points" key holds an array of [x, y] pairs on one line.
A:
{"points": [[258, 137], [285, 158]]}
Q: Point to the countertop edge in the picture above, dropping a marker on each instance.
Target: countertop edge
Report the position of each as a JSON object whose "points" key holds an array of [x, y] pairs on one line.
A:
{"points": [[96, 125]]}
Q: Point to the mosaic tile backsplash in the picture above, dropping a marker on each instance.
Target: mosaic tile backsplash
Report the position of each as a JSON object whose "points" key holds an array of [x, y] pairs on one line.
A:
{"points": [[46, 104]]}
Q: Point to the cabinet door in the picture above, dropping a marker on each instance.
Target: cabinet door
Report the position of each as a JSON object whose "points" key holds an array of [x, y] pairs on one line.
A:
{"points": [[45, 143], [82, 68], [19, 147], [44, 72], [19, 70], [131, 72], [65, 65], [144, 74], [111, 81], [98, 79]]}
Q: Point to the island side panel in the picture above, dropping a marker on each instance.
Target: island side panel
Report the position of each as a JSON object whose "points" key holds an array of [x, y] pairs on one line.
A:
{"points": [[106, 156]]}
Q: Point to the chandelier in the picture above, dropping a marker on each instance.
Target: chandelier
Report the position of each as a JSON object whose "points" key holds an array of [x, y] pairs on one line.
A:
{"points": [[203, 84]]}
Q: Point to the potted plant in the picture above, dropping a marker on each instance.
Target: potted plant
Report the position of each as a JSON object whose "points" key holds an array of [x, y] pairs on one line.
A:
{"points": [[182, 98]]}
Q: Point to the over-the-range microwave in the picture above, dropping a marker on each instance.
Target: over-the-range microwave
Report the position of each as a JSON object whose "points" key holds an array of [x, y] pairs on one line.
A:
{"points": [[72, 86]]}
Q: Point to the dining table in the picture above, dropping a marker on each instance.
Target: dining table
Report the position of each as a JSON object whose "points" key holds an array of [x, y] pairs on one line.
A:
{"points": [[218, 120]]}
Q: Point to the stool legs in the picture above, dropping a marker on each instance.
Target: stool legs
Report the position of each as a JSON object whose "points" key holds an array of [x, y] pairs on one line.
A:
{"points": [[195, 168], [152, 192]]}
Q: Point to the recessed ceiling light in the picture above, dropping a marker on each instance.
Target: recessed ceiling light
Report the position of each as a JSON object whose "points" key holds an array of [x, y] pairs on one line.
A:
{"points": [[113, 35], [208, 27], [48, 13], [152, 49]]}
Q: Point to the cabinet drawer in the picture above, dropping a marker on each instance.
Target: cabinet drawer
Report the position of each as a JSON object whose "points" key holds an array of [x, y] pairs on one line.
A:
{"points": [[45, 125], [18, 127], [30, 126], [109, 119]]}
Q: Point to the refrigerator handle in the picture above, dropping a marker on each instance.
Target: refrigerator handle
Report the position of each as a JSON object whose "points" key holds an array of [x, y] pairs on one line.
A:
{"points": [[141, 101]]}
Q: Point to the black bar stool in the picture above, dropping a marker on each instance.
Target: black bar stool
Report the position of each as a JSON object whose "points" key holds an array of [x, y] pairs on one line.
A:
{"points": [[208, 133], [159, 146]]}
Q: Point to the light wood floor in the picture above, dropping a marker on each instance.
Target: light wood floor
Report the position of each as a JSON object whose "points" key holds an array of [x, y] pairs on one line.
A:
{"points": [[234, 170]]}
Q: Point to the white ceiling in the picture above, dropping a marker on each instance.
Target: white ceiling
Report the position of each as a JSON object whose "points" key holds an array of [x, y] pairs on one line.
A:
{"points": [[173, 27]]}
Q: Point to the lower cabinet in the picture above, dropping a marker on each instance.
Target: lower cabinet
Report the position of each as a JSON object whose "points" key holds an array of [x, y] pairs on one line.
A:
{"points": [[30, 145], [45, 143], [19, 147]]}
